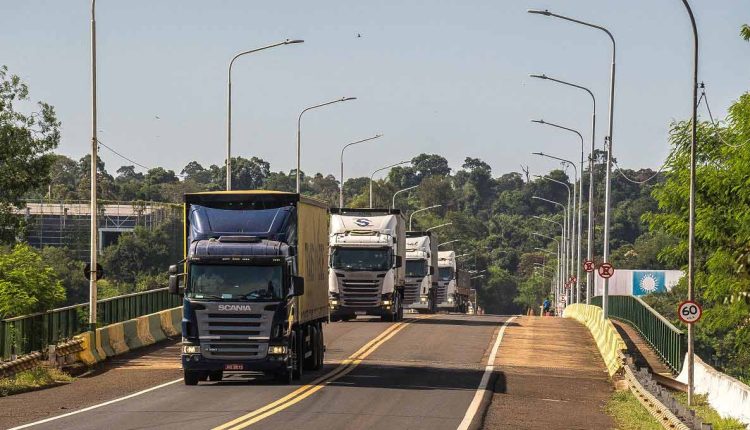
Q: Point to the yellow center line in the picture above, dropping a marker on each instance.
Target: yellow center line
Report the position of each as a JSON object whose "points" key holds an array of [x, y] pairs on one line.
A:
{"points": [[307, 390]]}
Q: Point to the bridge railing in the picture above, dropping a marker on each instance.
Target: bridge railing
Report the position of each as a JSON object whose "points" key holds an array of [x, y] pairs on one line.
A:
{"points": [[667, 340], [28, 333]]}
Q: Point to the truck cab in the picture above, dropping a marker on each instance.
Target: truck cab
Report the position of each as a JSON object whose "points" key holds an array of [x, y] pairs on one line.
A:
{"points": [[421, 271], [446, 296], [366, 273], [252, 283]]}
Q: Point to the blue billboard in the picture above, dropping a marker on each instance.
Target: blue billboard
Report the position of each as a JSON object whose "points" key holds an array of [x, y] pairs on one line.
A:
{"points": [[646, 282]]}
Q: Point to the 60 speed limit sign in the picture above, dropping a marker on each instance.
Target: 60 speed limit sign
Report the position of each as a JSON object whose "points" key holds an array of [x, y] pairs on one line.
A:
{"points": [[689, 312]]}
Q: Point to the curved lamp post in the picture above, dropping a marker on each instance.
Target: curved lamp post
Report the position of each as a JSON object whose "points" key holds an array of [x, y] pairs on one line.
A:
{"points": [[576, 232], [590, 220], [299, 130], [605, 295], [229, 102], [341, 187], [380, 170], [439, 226], [421, 210], [393, 203]]}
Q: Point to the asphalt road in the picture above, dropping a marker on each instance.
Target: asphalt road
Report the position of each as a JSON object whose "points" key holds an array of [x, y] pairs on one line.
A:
{"points": [[422, 373]]}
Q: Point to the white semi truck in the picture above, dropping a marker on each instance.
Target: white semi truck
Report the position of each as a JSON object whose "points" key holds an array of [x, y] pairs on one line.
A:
{"points": [[366, 273], [421, 271]]}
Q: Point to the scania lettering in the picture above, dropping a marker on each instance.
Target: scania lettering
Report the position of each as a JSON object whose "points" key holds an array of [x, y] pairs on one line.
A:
{"points": [[366, 273], [421, 271], [253, 281]]}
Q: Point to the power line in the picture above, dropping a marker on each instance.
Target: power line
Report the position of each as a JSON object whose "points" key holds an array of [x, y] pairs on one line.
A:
{"points": [[122, 156], [704, 97]]}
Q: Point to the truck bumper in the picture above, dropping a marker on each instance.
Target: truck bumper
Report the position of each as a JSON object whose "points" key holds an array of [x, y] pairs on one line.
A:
{"points": [[203, 364], [418, 306], [346, 311]]}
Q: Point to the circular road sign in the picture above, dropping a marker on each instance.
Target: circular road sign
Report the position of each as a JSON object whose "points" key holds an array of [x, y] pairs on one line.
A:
{"points": [[588, 266], [689, 312], [606, 270]]}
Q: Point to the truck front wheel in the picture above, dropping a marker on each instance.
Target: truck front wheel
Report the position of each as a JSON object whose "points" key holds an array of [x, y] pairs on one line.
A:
{"points": [[190, 378]]}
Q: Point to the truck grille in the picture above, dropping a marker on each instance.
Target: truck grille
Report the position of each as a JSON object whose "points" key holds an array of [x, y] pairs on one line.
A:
{"points": [[442, 295], [233, 335], [360, 292], [411, 293]]}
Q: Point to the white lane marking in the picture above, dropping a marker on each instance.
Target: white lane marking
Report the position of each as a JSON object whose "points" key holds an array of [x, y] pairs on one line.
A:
{"points": [[482, 389], [129, 396]]}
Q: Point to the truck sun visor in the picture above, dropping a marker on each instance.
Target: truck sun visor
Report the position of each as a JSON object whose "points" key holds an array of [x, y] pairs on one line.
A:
{"points": [[206, 223]]}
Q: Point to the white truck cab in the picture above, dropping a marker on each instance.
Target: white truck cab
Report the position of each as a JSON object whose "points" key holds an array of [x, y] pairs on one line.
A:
{"points": [[421, 271]]}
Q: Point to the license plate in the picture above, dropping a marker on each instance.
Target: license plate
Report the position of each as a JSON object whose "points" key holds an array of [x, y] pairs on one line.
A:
{"points": [[360, 313], [233, 367]]}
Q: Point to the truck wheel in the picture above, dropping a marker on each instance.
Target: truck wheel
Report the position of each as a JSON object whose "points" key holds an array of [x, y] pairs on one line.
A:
{"points": [[190, 378], [298, 355], [321, 349], [312, 360], [215, 376]]}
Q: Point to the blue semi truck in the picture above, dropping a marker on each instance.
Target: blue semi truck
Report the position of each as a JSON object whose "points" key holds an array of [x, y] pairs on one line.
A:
{"points": [[255, 284]]}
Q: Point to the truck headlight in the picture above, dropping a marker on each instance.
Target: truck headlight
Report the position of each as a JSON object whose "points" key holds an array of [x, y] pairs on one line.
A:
{"points": [[386, 302], [450, 299], [277, 349], [334, 302], [423, 299], [191, 349]]}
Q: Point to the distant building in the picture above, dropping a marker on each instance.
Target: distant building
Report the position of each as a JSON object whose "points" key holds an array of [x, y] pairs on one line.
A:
{"points": [[67, 223]]}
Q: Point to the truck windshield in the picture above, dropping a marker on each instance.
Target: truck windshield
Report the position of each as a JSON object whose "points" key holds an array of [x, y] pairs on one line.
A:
{"points": [[375, 259], [229, 282], [416, 268], [446, 273]]}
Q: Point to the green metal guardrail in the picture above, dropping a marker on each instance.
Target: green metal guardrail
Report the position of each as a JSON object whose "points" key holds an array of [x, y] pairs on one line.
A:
{"points": [[28, 333], [667, 340]]}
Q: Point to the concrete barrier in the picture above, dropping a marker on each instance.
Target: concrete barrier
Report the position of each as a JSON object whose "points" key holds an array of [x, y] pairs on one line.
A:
{"points": [[607, 339], [730, 397], [122, 337]]}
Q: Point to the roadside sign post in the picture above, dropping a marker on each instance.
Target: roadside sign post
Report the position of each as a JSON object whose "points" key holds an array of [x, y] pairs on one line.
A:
{"points": [[606, 270], [690, 312]]}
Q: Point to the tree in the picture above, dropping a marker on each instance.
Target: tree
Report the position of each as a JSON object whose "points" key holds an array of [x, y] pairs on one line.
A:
{"points": [[27, 283], [70, 273], [426, 165], [745, 32], [25, 145]]}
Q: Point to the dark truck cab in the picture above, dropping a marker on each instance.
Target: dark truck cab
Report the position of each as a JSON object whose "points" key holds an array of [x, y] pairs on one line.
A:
{"points": [[246, 306]]}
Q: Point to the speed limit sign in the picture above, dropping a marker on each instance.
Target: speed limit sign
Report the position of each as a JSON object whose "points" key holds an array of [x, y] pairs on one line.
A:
{"points": [[689, 312]]}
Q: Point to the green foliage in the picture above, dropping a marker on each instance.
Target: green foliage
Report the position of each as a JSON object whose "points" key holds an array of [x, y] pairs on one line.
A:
{"points": [[37, 377], [25, 145], [629, 414], [722, 233], [745, 32], [27, 283], [70, 273]]}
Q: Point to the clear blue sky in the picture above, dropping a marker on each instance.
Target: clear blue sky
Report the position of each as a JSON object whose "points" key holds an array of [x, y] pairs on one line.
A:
{"points": [[433, 76]]}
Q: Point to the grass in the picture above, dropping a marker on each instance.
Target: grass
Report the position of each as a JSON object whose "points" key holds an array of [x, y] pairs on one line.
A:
{"points": [[704, 410], [629, 414], [37, 377]]}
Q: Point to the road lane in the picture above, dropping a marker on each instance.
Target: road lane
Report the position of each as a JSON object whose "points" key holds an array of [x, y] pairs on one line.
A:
{"points": [[210, 404], [424, 378]]}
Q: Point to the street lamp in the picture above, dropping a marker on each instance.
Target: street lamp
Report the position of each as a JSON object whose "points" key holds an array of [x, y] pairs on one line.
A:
{"points": [[439, 226], [590, 236], [565, 234], [576, 261], [421, 210], [393, 204], [449, 242], [605, 295], [691, 208], [229, 102], [381, 169], [299, 128], [571, 228], [341, 188], [93, 272], [560, 263]]}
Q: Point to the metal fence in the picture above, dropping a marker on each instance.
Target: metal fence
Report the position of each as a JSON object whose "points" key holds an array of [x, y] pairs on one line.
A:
{"points": [[667, 340], [28, 333]]}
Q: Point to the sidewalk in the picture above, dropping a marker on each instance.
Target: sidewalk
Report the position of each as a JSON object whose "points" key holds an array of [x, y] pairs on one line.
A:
{"points": [[550, 376]]}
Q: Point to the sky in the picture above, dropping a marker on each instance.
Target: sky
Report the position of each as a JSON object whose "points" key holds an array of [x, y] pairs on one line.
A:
{"points": [[446, 77]]}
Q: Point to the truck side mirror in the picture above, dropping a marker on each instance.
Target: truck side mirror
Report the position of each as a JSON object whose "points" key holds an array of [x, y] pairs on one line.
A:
{"points": [[432, 270], [174, 284], [298, 284], [399, 262]]}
